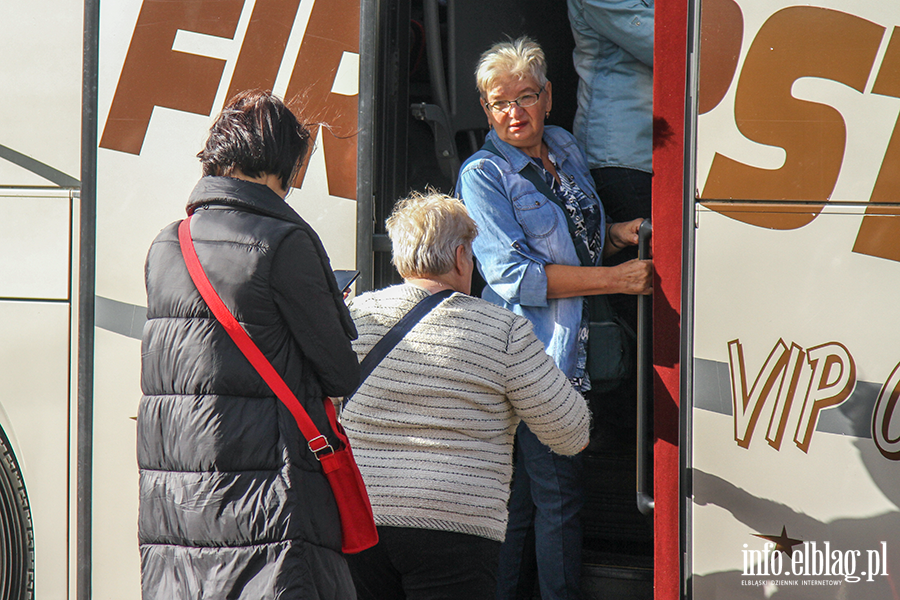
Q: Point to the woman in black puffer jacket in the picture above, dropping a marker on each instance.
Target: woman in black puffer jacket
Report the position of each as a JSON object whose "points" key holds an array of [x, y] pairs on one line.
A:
{"points": [[232, 502]]}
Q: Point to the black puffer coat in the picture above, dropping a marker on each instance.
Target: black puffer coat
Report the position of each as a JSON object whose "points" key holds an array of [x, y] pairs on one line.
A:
{"points": [[232, 502]]}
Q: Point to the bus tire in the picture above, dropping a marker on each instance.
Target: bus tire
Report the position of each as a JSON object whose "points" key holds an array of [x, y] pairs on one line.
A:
{"points": [[16, 532]]}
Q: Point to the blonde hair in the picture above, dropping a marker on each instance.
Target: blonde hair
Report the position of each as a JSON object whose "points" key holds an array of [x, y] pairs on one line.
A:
{"points": [[519, 58], [425, 231]]}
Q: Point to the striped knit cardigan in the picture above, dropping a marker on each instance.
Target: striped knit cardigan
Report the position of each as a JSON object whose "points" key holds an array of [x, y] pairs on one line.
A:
{"points": [[432, 427]]}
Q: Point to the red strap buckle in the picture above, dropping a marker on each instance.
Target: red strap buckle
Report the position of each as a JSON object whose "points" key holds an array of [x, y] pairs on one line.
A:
{"points": [[321, 445]]}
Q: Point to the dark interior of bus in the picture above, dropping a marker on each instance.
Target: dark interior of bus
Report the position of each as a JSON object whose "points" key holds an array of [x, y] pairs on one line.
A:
{"points": [[428, 120]]}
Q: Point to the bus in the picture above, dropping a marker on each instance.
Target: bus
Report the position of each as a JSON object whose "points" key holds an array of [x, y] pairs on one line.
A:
{"points": [[107, 108], [766, 459], [788, 379]]}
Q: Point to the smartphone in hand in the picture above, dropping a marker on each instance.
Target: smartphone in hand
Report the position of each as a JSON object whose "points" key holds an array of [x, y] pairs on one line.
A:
{"points": [[345, 278]]}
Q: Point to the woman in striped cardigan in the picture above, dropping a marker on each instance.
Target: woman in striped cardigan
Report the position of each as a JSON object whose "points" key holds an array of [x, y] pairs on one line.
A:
{"points": [[432, 427]]}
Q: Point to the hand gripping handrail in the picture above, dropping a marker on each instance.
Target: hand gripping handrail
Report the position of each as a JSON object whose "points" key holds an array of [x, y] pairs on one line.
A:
{"points": [[645, 501]]}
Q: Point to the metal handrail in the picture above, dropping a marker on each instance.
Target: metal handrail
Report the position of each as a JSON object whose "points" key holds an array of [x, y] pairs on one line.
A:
{"points": [[645, 502]]}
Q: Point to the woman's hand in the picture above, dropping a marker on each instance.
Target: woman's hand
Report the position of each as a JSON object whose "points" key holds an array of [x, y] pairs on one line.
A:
{"points": [[621, 235], [631, 277], [634, 277]]}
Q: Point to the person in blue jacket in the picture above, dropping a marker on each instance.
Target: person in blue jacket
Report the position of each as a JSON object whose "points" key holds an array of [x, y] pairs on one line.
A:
{"points": [[613, 57], [530, 265]]}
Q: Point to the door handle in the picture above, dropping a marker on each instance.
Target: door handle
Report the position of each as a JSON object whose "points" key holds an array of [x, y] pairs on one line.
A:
{"points": [[644, 384]]}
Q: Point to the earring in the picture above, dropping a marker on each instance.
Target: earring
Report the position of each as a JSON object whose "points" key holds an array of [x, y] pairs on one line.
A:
{"points": [[546, 115]]}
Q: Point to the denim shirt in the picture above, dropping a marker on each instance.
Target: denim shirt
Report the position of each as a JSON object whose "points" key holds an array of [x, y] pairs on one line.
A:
{"points": [[614, 59], [520, 231]]}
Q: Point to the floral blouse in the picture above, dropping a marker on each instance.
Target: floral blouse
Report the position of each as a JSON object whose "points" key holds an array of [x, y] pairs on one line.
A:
{"points": [[585, 214]]}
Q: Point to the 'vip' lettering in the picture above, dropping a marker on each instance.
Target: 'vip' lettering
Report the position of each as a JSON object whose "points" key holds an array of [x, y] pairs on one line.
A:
{"points": [[831, 374]]}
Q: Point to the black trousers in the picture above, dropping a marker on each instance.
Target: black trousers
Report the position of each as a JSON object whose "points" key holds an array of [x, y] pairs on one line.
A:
{"points": [[625, 194], [423, 564]]}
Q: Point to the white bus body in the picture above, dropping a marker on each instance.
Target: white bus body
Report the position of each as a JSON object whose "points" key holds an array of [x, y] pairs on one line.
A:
{"points": [[793, 455], [165, 70]]}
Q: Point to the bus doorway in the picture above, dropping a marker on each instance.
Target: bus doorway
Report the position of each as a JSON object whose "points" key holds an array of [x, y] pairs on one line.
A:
{"points": [[427, 120]]}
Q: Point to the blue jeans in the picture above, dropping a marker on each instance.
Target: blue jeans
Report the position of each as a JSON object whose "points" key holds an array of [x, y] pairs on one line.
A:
{"points": [[544, 536]]}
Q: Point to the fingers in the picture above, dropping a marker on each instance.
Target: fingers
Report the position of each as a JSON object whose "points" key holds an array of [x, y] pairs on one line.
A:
{"points": [[627, 232], [637, 277], [648, 281]]}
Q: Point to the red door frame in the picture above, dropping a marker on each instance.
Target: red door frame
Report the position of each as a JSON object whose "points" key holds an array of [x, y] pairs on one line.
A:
{"points": [[669, 84]]}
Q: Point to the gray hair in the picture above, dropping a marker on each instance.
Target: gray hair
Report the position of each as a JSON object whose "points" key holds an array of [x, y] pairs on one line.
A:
{"points": [[520, 58], [425, 231]]}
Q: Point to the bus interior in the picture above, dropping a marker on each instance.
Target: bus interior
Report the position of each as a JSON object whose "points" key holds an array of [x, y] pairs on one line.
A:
{"points": [[427, 121]]}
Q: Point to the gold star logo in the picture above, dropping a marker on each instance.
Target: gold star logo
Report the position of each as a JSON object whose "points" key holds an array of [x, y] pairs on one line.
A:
{"points": [[782, 542]]}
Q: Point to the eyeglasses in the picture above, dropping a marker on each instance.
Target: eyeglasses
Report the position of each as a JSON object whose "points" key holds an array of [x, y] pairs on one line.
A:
{"points": [[523, 101]]}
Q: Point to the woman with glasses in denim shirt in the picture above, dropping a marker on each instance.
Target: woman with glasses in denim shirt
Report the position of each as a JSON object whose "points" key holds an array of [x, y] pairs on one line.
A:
{"points": [[528, 259]]}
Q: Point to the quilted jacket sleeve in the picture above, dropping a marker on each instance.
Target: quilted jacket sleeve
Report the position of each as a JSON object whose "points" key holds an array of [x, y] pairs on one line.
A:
{"points": [[317, 320]]}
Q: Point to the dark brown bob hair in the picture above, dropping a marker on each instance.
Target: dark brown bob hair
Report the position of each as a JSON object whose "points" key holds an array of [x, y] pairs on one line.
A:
{"points": [[256, 133]]}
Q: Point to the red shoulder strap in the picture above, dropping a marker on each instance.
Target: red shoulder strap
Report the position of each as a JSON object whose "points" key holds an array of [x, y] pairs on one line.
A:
{"points": [[316, 441]]}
